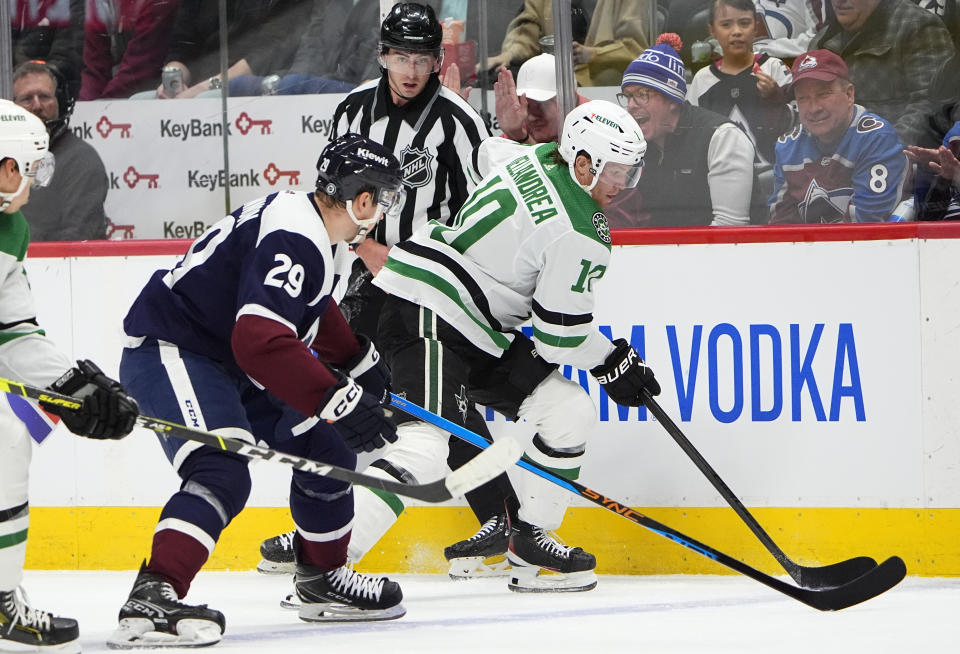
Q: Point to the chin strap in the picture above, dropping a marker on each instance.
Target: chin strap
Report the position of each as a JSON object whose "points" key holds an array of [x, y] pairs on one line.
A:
{"points": [[573, 174]]}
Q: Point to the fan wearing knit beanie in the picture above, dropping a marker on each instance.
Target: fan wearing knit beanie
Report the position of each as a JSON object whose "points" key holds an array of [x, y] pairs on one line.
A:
{"points": [[699, 165]]}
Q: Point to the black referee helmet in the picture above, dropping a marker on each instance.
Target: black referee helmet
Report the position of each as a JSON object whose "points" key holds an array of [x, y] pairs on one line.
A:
{"points": [[413, 27]]}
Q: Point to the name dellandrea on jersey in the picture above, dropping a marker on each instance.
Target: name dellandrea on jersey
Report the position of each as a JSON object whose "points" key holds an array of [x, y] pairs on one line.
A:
{"points": [[271, 257], [432, 136], [529, 244]]}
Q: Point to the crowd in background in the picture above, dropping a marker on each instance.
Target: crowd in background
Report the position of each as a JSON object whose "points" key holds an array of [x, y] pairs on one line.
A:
{"points": [[872, 135]]}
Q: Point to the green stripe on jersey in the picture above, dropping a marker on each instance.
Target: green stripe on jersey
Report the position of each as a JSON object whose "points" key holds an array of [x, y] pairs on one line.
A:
{"points": [[558, 341], [6, 337], [10, 540], [446, 288]]}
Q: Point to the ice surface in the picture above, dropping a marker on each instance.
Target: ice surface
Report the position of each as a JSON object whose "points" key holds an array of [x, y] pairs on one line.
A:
{"points": [[650, 614]]}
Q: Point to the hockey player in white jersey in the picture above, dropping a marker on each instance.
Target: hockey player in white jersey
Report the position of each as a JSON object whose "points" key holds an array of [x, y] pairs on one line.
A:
{"points": [[27, 355], [531, 243]]}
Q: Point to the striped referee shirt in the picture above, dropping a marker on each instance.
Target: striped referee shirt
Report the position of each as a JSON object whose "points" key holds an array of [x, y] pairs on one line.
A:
{"points": [[433, 136]]}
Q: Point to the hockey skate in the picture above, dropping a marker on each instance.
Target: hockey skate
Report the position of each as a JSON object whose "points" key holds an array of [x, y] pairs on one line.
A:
{"points": [[277, 553], [483, 554], [542, 565], [23, 629], [343, 595], [154, 617]]}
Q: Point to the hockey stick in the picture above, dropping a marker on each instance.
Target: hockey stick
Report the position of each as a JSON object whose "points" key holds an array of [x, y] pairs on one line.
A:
{"points": [[875, 581], [456, 484], [834, 574]]}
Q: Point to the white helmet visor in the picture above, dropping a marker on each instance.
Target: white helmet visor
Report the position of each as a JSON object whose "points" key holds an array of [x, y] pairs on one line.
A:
{"points": [[621, 174]]}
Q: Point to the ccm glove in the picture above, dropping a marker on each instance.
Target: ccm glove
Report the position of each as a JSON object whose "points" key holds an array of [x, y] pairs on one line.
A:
{"points": [[624, 374], [357, 415], [107, 411], [370, 371]]}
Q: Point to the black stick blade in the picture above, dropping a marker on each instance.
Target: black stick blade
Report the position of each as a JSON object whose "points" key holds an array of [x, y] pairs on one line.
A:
{"points": [[833, 575], [874, 582]]}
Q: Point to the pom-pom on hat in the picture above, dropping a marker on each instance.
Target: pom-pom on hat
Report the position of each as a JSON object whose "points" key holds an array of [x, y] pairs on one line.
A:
{"points": [[660, 68]]}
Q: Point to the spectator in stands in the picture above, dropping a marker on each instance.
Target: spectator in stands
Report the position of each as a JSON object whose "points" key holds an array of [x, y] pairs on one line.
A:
{"points": [[124, 46], [527, 110], [748, 88], [354, 25], [534, 22], [617, 34], [698, 169], [842, 163], [70, 208], [262, 38], [893, 49], [786, 27], [936, 192], [50, 31]]}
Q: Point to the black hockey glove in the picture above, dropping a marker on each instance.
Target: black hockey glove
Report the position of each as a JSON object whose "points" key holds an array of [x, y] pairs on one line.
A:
{"points": [[370, 371], [624, 374], [357, 415], [107, 411]]}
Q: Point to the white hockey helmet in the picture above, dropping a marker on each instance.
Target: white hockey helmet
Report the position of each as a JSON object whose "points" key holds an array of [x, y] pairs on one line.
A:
{"points": [[24, 138], [608, 134]]}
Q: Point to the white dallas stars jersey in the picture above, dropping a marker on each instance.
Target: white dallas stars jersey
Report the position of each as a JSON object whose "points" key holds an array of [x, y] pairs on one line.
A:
{"points": [[528, 244], [431, 136]]}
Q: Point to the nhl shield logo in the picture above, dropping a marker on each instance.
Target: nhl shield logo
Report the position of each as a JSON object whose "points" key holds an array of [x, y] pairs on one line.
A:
{"points": [[600, 224], [415, 164]]}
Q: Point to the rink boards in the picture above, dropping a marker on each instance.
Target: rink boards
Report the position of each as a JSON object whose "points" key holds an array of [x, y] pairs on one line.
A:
{"points": [[815, 370]]}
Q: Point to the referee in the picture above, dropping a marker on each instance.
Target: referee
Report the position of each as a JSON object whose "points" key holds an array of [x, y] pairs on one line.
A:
{"points": [[431, 130]]}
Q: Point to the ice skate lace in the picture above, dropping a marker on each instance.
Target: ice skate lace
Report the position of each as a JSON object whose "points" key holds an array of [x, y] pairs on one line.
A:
{"points": [[286, 540], [16, 603], [353, 583], [488, 528], [550, 544]]}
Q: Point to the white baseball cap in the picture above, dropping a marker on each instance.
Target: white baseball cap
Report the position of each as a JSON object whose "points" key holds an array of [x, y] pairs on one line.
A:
{"points": [[537, 78]]}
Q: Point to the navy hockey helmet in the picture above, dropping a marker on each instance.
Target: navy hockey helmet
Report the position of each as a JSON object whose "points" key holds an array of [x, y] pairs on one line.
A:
{"points": [[352, 164], [413, 27]]}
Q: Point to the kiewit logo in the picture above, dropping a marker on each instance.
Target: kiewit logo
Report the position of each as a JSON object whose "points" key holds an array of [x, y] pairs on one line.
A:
{"points": [[245, 123], [273, 174], [133, 177], [415, 164], [372, 156], [105, 128]]}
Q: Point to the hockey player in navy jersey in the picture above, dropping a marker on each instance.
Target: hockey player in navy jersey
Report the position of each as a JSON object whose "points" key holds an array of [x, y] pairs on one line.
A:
{"points": [[842, 163], [243, 338]]}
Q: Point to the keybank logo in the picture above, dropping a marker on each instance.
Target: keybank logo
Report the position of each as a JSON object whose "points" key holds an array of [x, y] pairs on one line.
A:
{"points": [[760, 372], [191, 129], [106, 127], [245, 123]]}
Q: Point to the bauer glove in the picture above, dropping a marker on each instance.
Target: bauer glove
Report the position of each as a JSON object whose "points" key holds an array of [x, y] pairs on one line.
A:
{"points": [[624, 374], [357, 415], [107, 411]]}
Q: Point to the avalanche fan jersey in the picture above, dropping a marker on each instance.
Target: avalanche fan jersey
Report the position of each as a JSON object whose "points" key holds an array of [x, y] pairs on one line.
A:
{"points": [[431, 136], [860, 181], [528, 243], [272, 258]]}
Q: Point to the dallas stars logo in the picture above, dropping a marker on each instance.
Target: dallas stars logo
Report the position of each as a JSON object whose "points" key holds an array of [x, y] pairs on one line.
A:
{"points": [[600, 224]]}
